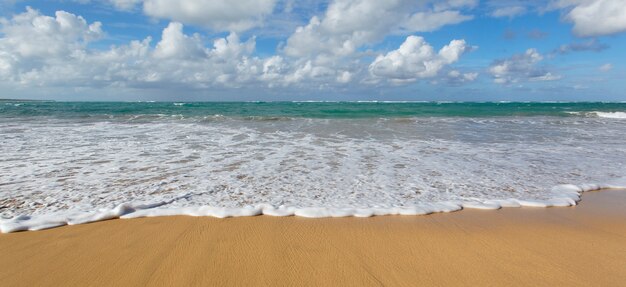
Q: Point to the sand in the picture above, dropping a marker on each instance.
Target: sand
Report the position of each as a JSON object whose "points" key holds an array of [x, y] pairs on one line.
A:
{"points": [[565, 246]]}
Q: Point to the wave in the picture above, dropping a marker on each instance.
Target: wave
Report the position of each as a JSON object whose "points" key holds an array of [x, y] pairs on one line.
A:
{"points": [[562, 196], [611, 115], [598, 114], [267, 118]]}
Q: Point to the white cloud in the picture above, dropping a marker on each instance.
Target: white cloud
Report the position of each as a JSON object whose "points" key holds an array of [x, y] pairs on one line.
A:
{"points": [[520, 67], [42, 51], [178, 60], [125, 4], [273, 70], [509, 11], [606, 67], [416, 59], [219, 15], [38, 50], [31, 34], [350, 24], [344, 77], [175, 44], [7, 62], [545, 77], [456, 77], [593, 17], [431, 21], [454, 4], [327, 46], [600, 17], [232, 48]]}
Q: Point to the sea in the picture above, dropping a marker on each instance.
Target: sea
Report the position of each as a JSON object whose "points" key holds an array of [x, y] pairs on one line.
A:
{"points": [[77, 162]]}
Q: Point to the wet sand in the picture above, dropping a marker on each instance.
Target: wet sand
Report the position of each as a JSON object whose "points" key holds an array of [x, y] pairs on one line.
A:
{"points": [[566, 246]]}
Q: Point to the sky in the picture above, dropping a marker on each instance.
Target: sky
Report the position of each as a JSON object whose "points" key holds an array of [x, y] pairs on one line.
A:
{"points": [[388, 50]]}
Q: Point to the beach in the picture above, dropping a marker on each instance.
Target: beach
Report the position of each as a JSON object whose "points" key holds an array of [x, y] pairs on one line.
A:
{"points": [[312, 143], [575, 246]]}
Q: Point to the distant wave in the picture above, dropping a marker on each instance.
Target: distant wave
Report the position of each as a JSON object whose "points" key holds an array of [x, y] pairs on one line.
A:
{"points": [[613, 115], [598, 114]]}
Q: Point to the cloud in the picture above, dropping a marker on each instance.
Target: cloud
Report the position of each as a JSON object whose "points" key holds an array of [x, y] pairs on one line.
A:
{"points": [[455, 77], [591, 45], [61, 51], [591, 18], [38, 50], [415, 59], [510, 12], [606, 67], [175, 44], [453, 4], [177, 61], [520, 67], [594, 17], [219, 15], [431, 21], [350, 24], [31, 34], [125, 4], [344, 77]]}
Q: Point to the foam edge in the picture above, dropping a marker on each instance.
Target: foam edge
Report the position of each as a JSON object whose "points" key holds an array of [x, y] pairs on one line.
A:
{"points": [[562, 195]]}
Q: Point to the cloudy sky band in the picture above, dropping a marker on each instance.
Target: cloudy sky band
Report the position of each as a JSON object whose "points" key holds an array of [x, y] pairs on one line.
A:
{"points": [[342, 49]]}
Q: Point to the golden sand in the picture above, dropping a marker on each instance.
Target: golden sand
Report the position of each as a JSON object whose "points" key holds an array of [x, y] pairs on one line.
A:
{"points": [[576, 246]]}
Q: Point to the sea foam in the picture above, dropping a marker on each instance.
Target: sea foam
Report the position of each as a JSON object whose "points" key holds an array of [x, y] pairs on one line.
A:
{"points": [[564, 195], [56, 172], [611, 115]]}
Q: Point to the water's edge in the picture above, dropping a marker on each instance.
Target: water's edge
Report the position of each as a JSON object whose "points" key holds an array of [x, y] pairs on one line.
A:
{"points": [[562, 196]]}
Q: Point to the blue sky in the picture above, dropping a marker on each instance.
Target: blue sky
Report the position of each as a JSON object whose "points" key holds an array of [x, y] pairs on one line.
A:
{"points": [[460, 50]]}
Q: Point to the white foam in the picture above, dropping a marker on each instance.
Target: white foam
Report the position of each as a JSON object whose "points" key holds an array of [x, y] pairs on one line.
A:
{"points": [[564, 195], [596, 114], [611, 115], [60, 172]]}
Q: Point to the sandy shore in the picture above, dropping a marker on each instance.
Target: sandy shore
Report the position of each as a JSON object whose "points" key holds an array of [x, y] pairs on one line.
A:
{"points": [[577, 246]]}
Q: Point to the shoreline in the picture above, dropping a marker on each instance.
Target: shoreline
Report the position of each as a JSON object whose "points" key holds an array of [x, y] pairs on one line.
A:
{"points": [[563, 195], [579, 245]]}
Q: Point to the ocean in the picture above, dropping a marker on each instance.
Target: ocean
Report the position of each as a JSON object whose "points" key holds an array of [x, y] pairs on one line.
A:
{"points": [[76, 162]]}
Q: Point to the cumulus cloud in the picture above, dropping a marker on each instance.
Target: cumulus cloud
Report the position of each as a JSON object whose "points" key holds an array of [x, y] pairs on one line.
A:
{"points": [[521, 67], [176, 60], [593, 17], [31, 34], [344, 77], [175, 44], [415, 59], [220, 15], [37, 50], [350, 24]]}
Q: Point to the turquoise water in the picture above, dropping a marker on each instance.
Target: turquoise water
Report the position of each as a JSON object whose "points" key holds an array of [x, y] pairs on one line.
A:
{"points": [[304, 109]]}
